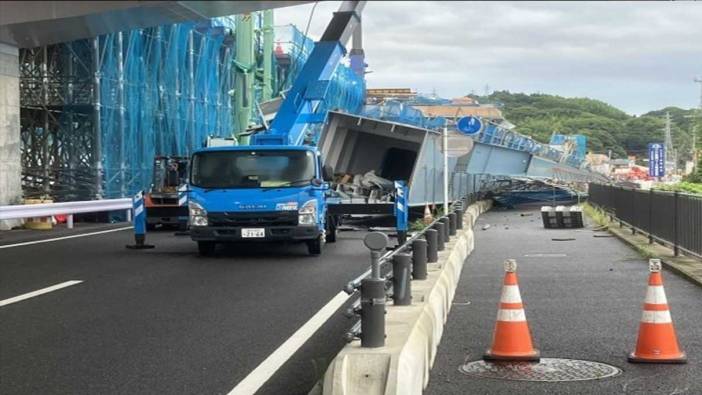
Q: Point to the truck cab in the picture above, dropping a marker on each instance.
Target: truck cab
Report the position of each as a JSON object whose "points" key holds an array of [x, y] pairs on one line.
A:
{"points": [[259, 193]]}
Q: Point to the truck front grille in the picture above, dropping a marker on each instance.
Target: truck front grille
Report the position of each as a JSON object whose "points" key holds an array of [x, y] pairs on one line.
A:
{"points": [[265, 218]]}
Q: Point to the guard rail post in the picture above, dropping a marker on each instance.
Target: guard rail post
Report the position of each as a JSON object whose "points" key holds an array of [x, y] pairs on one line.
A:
{"points": [[459, 218], [373, 295], [439, 226], [401, 284], [432, 245], [452, 224], [419, 259], [69, 221], [445, 222], [139, 223]]}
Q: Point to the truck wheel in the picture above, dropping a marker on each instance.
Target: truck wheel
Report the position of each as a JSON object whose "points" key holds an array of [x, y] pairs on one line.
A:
{"points": [[206, 248], [314, 247]]}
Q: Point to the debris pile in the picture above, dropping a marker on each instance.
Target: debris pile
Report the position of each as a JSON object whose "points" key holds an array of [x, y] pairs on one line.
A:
{"points": [[368, 187]]}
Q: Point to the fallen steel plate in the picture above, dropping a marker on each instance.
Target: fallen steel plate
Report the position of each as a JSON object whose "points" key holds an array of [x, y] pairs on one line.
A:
{"points": [[549, 369]]}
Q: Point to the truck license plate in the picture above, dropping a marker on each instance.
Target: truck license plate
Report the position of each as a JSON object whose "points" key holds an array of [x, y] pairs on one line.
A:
{"points": [[253, 232]]}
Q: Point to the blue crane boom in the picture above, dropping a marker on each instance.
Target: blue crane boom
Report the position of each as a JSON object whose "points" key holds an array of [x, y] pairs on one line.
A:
{"points": [[301, 105]]}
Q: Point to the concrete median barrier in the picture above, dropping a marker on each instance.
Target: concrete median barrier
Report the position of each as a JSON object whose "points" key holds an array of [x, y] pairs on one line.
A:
{"points": [[413, 332]]}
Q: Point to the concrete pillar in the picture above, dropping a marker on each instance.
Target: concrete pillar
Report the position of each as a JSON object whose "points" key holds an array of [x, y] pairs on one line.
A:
{"points": [[10, 163]]}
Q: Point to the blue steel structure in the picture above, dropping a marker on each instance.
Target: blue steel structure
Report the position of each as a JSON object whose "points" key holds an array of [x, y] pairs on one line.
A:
{"points": [[498, 151]]}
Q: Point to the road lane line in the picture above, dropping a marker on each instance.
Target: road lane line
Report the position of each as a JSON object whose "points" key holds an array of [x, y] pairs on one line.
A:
{"points": [[26, 243], [39, 292], [255, 380]]}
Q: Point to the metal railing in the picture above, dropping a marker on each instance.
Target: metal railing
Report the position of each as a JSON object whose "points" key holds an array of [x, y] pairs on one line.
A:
{"points": [[670, 218], [409, 262], [22, 211]]}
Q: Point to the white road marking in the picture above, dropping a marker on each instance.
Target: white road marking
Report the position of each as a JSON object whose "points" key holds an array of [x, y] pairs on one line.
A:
{"points": [[39, 292], [26, 243], [270, 365]]}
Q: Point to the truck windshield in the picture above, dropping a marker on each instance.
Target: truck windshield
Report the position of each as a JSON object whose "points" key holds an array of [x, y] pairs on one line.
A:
{"points": [[252, 169]]}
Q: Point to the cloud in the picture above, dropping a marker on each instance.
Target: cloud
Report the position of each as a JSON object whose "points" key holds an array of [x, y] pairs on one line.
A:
{"points": [[637, 56]]}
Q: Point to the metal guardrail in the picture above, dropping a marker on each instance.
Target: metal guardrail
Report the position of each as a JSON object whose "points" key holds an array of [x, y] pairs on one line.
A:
{"points": [[65, 208], [409, 261], [670, 218]]}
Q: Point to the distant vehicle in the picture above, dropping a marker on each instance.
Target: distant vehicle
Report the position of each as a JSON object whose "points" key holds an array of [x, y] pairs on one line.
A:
{"points": [[164, 206]]}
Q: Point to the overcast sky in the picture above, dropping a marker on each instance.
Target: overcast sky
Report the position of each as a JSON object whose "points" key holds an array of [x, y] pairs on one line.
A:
{"points": [[638, 56]]}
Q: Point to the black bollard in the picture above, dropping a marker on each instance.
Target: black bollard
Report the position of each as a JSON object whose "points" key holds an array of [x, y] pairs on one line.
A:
{"points": [[432, 245], [459, 218], [445, 222], [452, 224], [419, 259], [439, 226], [401, 284]]}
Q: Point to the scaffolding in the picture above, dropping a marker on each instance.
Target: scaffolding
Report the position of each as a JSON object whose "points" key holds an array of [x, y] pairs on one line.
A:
{"points": [[95, 112]]}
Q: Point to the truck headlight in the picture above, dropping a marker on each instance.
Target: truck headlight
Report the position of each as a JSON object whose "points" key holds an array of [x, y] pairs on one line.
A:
{"points": [[308, 213], [198, 214]]}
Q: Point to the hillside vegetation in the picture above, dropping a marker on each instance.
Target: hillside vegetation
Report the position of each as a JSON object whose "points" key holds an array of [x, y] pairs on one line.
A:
{"points": [[607, 127]]}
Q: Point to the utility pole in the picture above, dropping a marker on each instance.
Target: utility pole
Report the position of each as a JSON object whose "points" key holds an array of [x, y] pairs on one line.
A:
{"points": [[669, 150], [446, 175], [244, 73], [695, 127]]}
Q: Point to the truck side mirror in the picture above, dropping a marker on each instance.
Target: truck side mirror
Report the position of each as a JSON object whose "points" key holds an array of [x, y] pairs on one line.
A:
{"points": [[327, 173]]}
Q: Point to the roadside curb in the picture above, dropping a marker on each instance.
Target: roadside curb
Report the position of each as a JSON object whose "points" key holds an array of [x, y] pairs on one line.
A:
{"points": [[413, 332], [677, 265]]}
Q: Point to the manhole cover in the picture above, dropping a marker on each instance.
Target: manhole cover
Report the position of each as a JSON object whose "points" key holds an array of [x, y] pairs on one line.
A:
{"points": [[549, 369]]}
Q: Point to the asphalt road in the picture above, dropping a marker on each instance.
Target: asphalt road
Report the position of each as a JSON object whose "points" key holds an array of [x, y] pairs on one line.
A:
{"points": [[584, 305], [165, 320]]}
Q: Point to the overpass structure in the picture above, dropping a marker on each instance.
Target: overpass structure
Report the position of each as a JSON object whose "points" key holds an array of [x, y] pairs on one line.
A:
{"points": [[94, 90], [83, 315]]}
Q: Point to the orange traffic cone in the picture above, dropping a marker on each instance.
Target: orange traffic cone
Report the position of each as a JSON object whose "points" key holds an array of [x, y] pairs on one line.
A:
{"points": [[511, 340], [428, 218], [657, 342]]}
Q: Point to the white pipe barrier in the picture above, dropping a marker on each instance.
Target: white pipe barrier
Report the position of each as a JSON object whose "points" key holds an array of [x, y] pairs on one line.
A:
{"points": [[66, 208]]}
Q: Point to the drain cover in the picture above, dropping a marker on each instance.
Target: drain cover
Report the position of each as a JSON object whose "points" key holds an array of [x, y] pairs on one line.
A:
{"points": [[549, 369]]}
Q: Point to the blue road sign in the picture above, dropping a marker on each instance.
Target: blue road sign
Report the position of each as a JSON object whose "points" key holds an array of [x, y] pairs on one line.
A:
{"points": [[656, 160], [401, 208], [469, 125]]}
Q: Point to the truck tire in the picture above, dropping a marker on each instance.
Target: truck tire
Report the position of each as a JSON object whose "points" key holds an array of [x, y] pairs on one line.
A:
{"points": [[206, 248], [314, 247]]}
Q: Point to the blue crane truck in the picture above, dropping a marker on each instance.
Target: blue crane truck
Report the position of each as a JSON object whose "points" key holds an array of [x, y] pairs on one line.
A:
{"points": [[279, 188], [274, 189]]}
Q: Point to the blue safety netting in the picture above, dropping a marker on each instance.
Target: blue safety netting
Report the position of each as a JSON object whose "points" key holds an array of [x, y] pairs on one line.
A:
{"points": [[173, 90], [162, 91]]}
